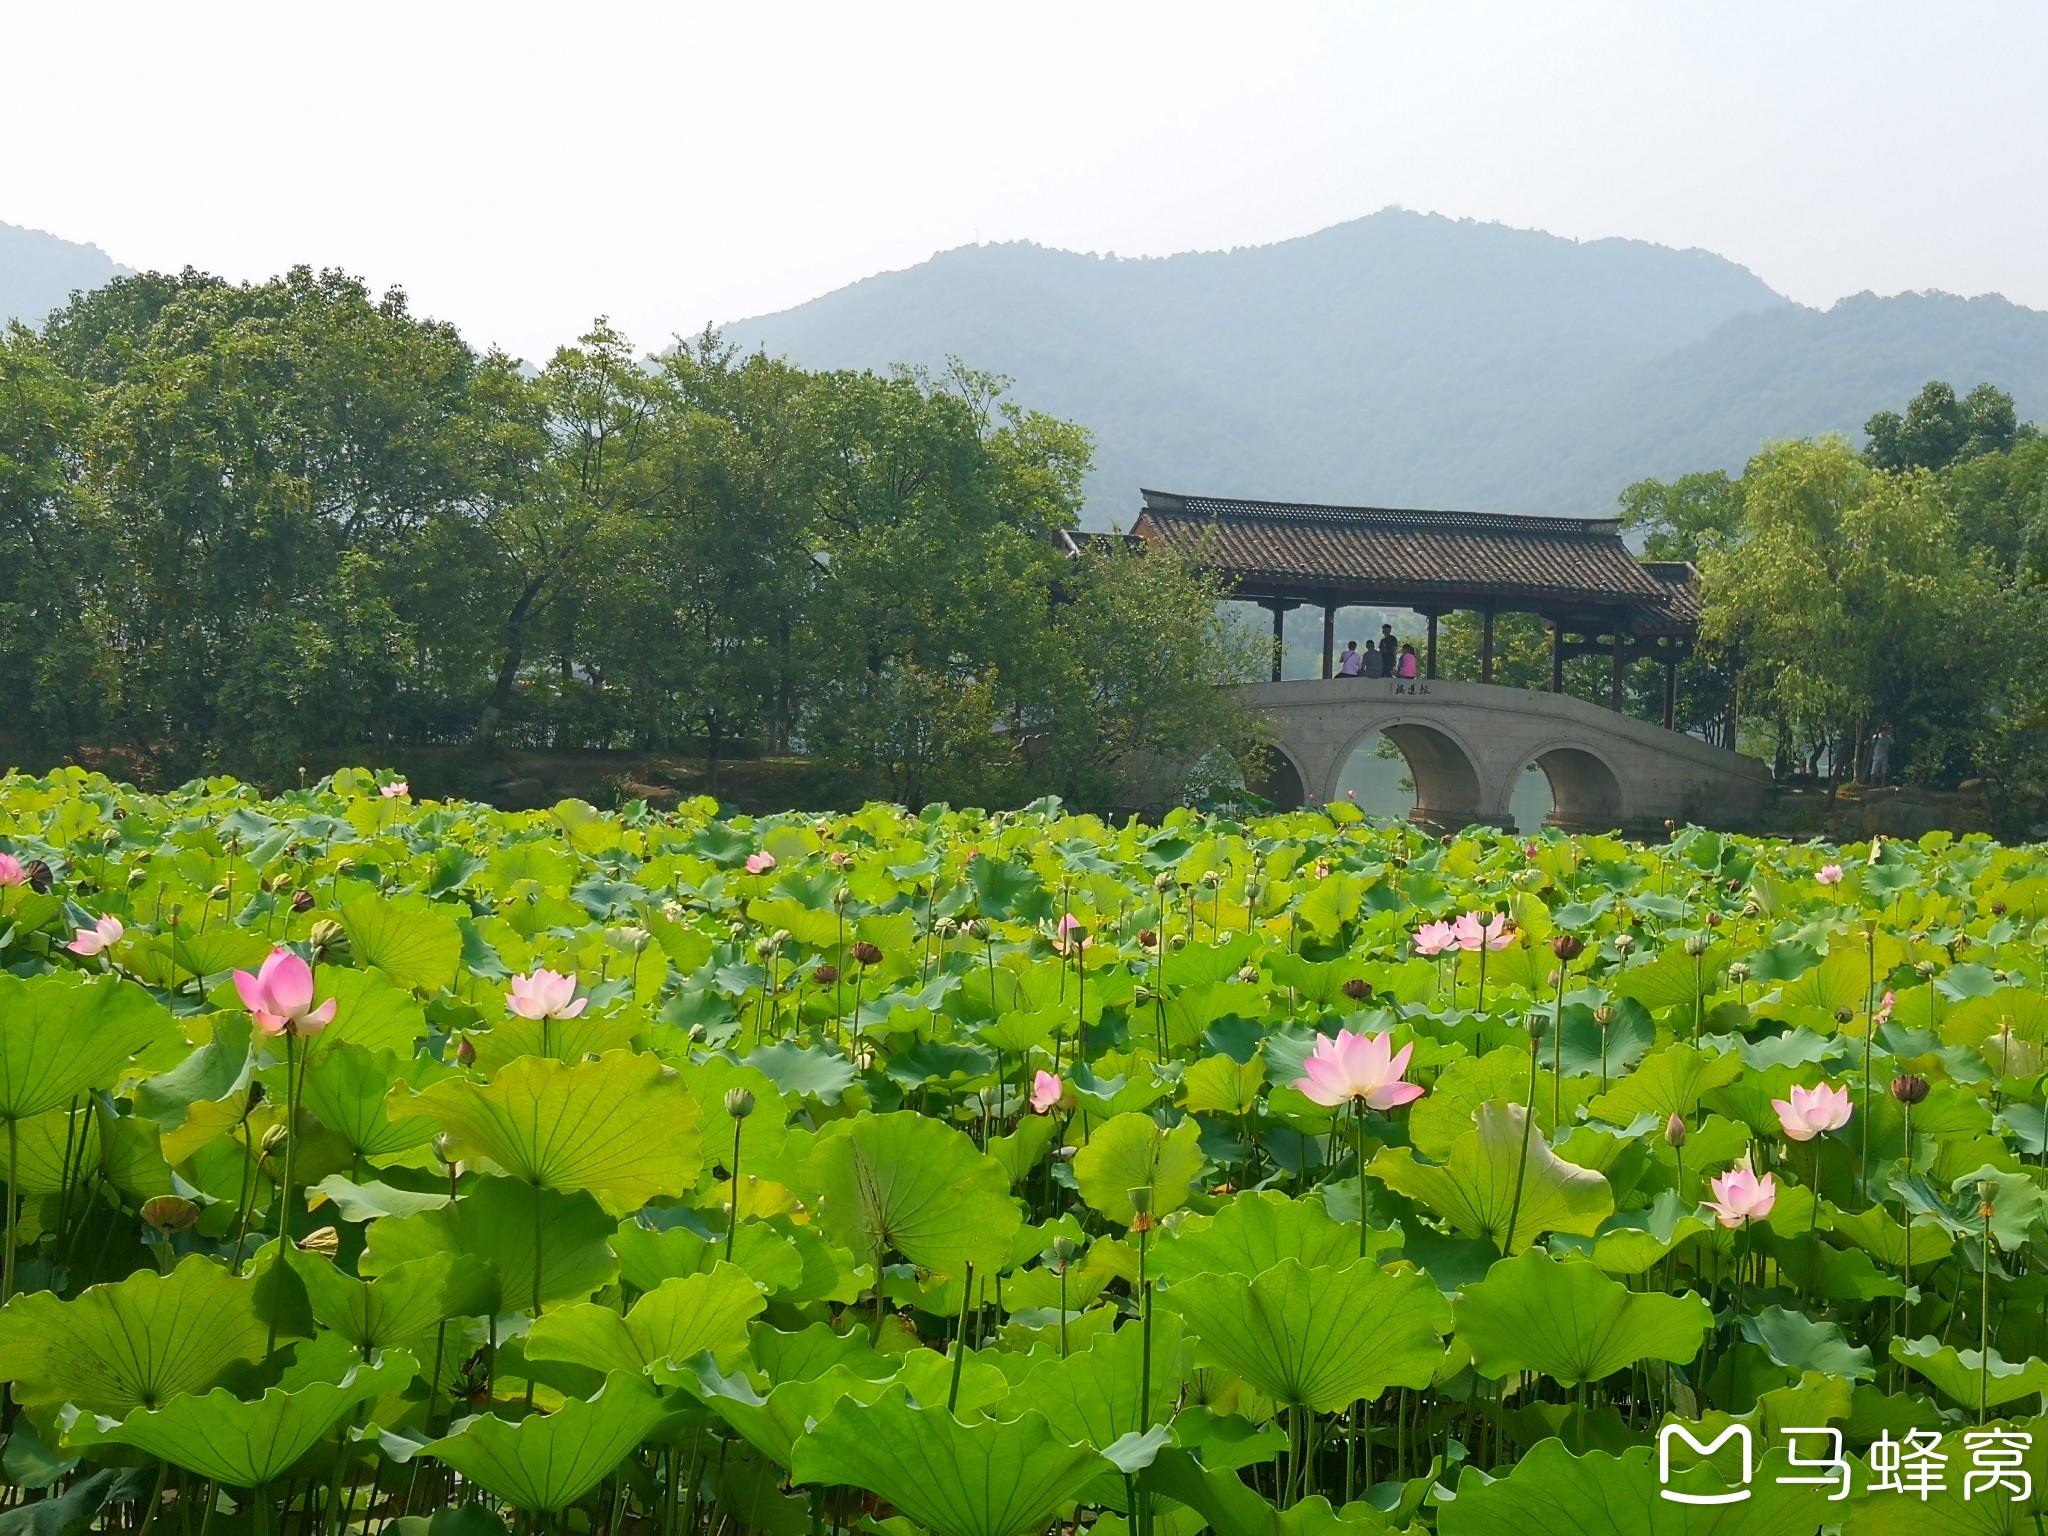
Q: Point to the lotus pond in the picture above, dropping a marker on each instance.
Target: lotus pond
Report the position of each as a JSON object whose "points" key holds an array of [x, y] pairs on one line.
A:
{"points": [[373, 1161]]}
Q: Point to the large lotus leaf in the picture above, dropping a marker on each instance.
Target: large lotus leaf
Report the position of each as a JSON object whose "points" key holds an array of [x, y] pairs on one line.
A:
{"points": [[1096, 1395], [217, 1070], [368, 1011], [1232, 1508], [399, 1305], [1964, 1375], [137, 1343], [772, 1424], [1669, 1082], [1551, 1492], [418, 947], [1475, 1189], [346, 1088], [1956, 1510], [61, 1037], [563, 1040], [647, 1257], [1323, 1338], [900, 1183], [1250, 1233], [762, 1134], [547, 1461], [248, 1444], [51, 1147], [70, 1513], [1570, 1322], [1798, 1342], [508, 1225], [622, 1127], [987, 1480], [677, 1319], [1444, 1114], [1131, 1152]]}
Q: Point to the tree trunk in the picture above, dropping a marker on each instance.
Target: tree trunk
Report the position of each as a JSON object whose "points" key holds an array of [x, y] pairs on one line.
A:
{"points": [[508, 670]]}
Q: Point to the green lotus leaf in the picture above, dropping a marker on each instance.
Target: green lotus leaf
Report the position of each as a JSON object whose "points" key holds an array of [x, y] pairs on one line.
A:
{"points": [[417, 946], [547, 1461], [50, 1145], [564, 1040], [1475, 1189], [1131, 1152], [247, 1444], [347, 1090], [1096, 1395], [773, 1424], [61, 1037], [647, 1257], [1799, 1343], [762, 1134], [1219, 1085], [399, 1305], [1253, 1231], [369, 1012], [1955, 1509], [679, 1318], [1669, 1082], [1231, 1508], [815, 1350], [900, 1183], [1443, 1116], [136, 1343], [1321, 1338], [218, 1069], [508, 1225], [1964, 1375], [1572, 1323], [218, 950], [1004, 1479], [70, 1513], [369, 1201], [1551, 1492], [818, 1072], [622, 1127]]}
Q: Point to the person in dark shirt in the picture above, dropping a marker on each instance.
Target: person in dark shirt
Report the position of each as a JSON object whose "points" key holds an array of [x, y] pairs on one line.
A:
{"points": [[1388, 650]]}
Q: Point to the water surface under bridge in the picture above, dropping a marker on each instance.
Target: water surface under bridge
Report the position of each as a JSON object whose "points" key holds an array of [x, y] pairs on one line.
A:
{"points": [[1467, 745]]}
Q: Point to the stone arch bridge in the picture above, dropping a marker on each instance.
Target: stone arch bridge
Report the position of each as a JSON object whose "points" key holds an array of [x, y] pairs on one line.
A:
{"points": [[1468, 744]]}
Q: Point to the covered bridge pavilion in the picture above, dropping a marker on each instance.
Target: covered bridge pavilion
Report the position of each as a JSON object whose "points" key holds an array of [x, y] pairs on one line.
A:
{"points": [[1596, 597]]}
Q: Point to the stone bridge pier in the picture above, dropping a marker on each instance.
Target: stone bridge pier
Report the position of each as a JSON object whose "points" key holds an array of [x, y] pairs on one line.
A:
{"points": [[1468, 744]]}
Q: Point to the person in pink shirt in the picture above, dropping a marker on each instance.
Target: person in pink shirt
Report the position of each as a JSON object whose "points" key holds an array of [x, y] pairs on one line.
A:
{"points": [[1408, 664]]}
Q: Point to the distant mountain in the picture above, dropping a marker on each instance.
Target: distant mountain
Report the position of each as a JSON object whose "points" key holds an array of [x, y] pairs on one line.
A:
{"points": [[1408, 359], [38, 272]]}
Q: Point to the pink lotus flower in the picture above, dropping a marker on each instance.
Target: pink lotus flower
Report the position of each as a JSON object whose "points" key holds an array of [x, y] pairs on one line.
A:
{"points": [[1813, 1111], [1830, 874], [1883, 1016], [545, 995], [1357, 1069], [1322, 870], [397, 789], [1432, 939], [1046, 1093], [1350, 794], [1472, 931], [100, 937], [1741, 1197], [11, 872], [760, 863], [280, 996]]}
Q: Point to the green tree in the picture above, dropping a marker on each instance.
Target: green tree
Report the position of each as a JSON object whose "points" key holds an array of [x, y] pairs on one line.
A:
{"points": [[1939, 430]]}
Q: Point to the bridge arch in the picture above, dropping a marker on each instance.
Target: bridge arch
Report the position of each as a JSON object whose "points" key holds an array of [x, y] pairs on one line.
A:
{"points": [[1586, 793], [1450, 787], [1280, 779]]}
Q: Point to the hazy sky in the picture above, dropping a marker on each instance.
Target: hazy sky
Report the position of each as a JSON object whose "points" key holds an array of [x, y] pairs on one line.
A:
{"points": [[521, 167]]}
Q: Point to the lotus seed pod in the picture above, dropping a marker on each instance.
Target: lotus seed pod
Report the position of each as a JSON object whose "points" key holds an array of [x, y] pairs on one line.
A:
{"points": [[867, 954], [1844, 1015], [739, 1103], [1604, 1015], [136, 877], [1738, 972], [170, 1213], [1567, 947], [302, 901], [825, 975], [1624, 942], [1358, 989], [218, 893], [1696, 944], [328, 936], [1178, 941], [1163, 882], [1140, 1197], [1909, 1089]]}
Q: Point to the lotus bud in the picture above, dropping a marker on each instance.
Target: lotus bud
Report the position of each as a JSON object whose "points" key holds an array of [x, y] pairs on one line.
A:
{"points": [[1539, 1026], [1178, 941], [1248, 973], [344, 864], [136, 877], [465, 1052], [1064, 1154], [40, 877], [1567, 947], [839, 858], [1358, 989], [1210, 879], [1713, 919], [826, 975], [1674, 1132], [302, 901], [1909, 1089], [739, 1103], [169, 1214], [841, 896], [1734, 886], [1604, 1015], [274, 1140], [1141, 995], [1750, 909], [867, 954], [1064, 1251], [1552, 977], [1844, 1015], [1696, 944], [444, 1149], [2000, 975], [736, 930], [324, 1241], [218, 893]]}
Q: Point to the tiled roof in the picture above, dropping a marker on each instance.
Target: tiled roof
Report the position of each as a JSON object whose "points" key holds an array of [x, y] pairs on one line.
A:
{"points": [[1281, 548]]}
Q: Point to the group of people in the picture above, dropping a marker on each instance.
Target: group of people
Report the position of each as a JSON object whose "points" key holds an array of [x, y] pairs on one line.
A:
{"points": [[1381, 660]]}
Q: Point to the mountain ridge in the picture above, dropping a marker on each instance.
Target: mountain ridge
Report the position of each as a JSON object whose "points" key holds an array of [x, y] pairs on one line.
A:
{"points": [[39, 271]]}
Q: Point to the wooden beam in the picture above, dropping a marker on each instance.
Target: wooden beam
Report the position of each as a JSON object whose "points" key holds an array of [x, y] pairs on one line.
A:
{"points": [[1329, 639], [1432, 642]]}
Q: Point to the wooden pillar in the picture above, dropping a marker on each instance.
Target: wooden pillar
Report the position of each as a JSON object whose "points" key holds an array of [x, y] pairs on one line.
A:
{"points": [[1557, 655], [1615, 701], [1279, 639], [1432, 643], [1486, 648], [1329, 639], [1670, 689]]}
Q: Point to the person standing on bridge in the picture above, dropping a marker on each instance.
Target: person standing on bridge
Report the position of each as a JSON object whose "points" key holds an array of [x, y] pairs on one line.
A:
{"points": [[1386, 650], [1350, 663], [1408, 664]]}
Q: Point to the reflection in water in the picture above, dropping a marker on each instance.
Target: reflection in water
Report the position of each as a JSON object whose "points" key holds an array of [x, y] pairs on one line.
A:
{"points": [[1378, 782]]}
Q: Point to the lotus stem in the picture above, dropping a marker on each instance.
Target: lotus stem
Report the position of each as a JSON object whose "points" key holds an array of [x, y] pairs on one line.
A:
{"points": [[960, 1339], [1507, 1245]]}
